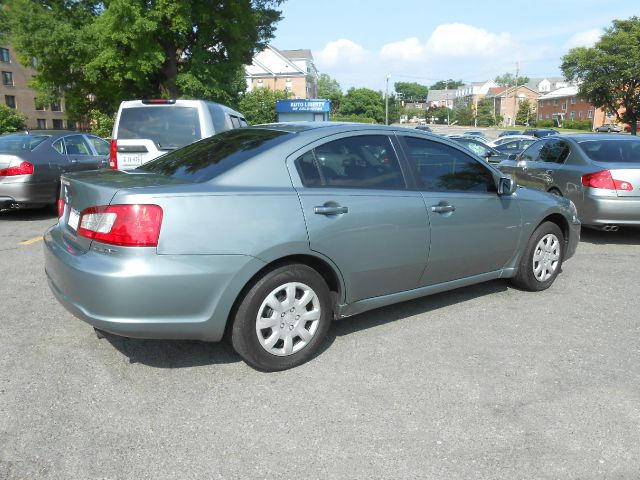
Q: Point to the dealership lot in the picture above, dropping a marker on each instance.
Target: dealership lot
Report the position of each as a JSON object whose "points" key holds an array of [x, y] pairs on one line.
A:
{"points": [[481, 382]]}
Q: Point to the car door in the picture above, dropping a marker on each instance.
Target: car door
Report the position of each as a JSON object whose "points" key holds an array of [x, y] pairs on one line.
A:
{"points": [[519, 167], [360, 214], [544, 169], [473, 230], [80, 153]]}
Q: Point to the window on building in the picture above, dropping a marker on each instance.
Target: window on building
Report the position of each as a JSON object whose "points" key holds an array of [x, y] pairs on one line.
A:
{"points": [[4, 55], [10, 101], [7, 79], [39, 105], [573, 100], [55, 107], [57, 124], [547, 116], [541, 116], [555, 102], [42, 123], [572, 115], [564, 105], [590, 113], [580, 114]]}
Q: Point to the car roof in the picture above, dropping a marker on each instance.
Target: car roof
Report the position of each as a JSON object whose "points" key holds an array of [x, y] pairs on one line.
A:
{"points": [[581, 137]]}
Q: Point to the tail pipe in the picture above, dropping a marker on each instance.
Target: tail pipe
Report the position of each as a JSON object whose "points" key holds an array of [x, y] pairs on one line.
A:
{"points": [[610, 228]]}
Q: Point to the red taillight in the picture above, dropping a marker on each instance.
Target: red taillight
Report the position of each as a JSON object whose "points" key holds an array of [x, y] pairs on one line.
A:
{"points": [[60, 207], [25, 168], [125, 225], [603, 179], [113, 154]]}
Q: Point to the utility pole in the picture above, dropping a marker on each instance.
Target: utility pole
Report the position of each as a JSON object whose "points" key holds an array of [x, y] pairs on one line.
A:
{"points": [[386, 102], [515, 95], [446, 98]]}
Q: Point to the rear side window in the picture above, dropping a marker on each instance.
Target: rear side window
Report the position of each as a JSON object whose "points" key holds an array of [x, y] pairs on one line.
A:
{"points": [[167, 126], [612, 151], [208, 158], [100, 145], [442, 168], [366, 161]]}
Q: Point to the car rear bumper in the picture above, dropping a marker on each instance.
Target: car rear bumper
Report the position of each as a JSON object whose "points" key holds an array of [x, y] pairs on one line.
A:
{"points": [[138, 293], [601, 211], [25, 193]]}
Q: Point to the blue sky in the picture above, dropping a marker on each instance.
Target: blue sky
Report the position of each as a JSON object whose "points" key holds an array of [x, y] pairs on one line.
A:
{"points": [[359, 42]]}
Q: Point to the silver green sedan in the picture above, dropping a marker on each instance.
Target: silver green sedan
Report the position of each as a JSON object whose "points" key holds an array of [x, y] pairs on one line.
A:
{"points": [[269, 233], [599, 173]]}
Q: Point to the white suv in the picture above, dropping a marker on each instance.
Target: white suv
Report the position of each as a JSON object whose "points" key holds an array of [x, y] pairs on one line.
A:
{"points": [[146, 129]]}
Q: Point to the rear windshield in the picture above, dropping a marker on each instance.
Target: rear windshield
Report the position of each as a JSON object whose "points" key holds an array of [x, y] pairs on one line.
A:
{"points": [[169, 127], [612, 151], [215, 155], [20, 143]]}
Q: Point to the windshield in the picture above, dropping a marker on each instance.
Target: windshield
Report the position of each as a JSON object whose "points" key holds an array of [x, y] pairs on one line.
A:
{"points": [[215, 155], [169, 127], [20, 142], [612, 151]]}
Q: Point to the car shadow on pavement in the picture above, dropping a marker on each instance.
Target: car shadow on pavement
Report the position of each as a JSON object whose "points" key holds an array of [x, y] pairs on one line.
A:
{"points": [[624, 236], [173, 353], [28, 214], [400, 311]]}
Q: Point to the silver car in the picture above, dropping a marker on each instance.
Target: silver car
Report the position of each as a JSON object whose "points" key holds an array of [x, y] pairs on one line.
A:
{"points": [[269, 233], [31, 164], [599, 173]]}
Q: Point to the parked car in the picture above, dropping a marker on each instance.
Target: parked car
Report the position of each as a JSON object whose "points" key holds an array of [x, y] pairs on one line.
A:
{"points": [[627, 128], [600, 174], [480, 148], [540, 132], [506, 133], [146, 129], [269, 233], [31, 164], [510, 138], [518, 145], [425, 128], [477, 135], [609, 127]]}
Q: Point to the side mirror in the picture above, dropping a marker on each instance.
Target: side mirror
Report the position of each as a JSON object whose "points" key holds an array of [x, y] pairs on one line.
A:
{"points": [[512, 156], [507, 186], [521, 163]]}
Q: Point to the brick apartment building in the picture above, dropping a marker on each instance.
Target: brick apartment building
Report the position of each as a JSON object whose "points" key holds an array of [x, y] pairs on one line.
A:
{"points": [[290, 70], [564, 104], [15, 93]]}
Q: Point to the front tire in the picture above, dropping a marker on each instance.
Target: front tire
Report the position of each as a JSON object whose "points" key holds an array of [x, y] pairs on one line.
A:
{"points": [[542, 259], [282, 319]]}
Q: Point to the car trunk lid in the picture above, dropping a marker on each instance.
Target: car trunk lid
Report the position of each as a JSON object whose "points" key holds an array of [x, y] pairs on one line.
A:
{"points": [[624, 173]]}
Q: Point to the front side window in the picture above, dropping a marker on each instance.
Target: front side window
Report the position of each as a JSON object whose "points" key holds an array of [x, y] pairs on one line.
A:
{"points": [[77, 145], [476, 148], [442, 168], [532, 153], [365, 161], [554, 151]]}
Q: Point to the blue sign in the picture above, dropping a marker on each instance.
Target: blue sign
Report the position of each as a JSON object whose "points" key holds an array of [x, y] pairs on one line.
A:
{"points": [[311, 106]]}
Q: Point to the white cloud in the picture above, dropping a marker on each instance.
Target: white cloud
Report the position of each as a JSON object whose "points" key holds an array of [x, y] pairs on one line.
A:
{"points": [[588, 38], [340, 51], [410, 50], [460, 40]]}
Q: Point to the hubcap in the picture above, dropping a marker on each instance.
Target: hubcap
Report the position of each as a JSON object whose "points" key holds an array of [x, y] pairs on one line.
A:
{"points": [[288, 319], [546, 257]]}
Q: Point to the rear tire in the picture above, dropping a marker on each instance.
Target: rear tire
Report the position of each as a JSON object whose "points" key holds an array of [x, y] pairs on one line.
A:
{"points": [[282, 319], [542, 259]]}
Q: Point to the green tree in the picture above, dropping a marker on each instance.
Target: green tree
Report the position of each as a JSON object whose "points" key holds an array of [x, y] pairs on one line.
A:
{"points": [[411, 90], [363, 102], [464, 114], [11, 120], [259, 105], [525, 113], [443, 84], [329, 88], [440, 115], [101, 124], [99, 53], [510, 79], [607, 73], [484, 113]]}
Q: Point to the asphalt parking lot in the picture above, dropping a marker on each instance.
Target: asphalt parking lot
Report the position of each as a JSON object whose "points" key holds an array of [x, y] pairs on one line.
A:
{"points": [[485, 382]]}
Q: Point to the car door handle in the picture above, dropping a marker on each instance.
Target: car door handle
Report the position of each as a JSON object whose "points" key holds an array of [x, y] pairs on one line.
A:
{"points": [[549, 172], [443, 208], [330, 210], [74, 160]]}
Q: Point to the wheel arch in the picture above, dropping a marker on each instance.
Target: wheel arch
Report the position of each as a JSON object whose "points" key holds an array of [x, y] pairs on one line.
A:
{"points": [[329, 273], [561, 222]]}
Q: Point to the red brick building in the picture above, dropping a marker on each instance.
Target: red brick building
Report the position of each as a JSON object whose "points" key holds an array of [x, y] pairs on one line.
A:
{"points": [[564, 104]]}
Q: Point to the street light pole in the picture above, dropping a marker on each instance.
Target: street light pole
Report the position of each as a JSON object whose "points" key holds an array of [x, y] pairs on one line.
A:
{"points": [[386, 102]]}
